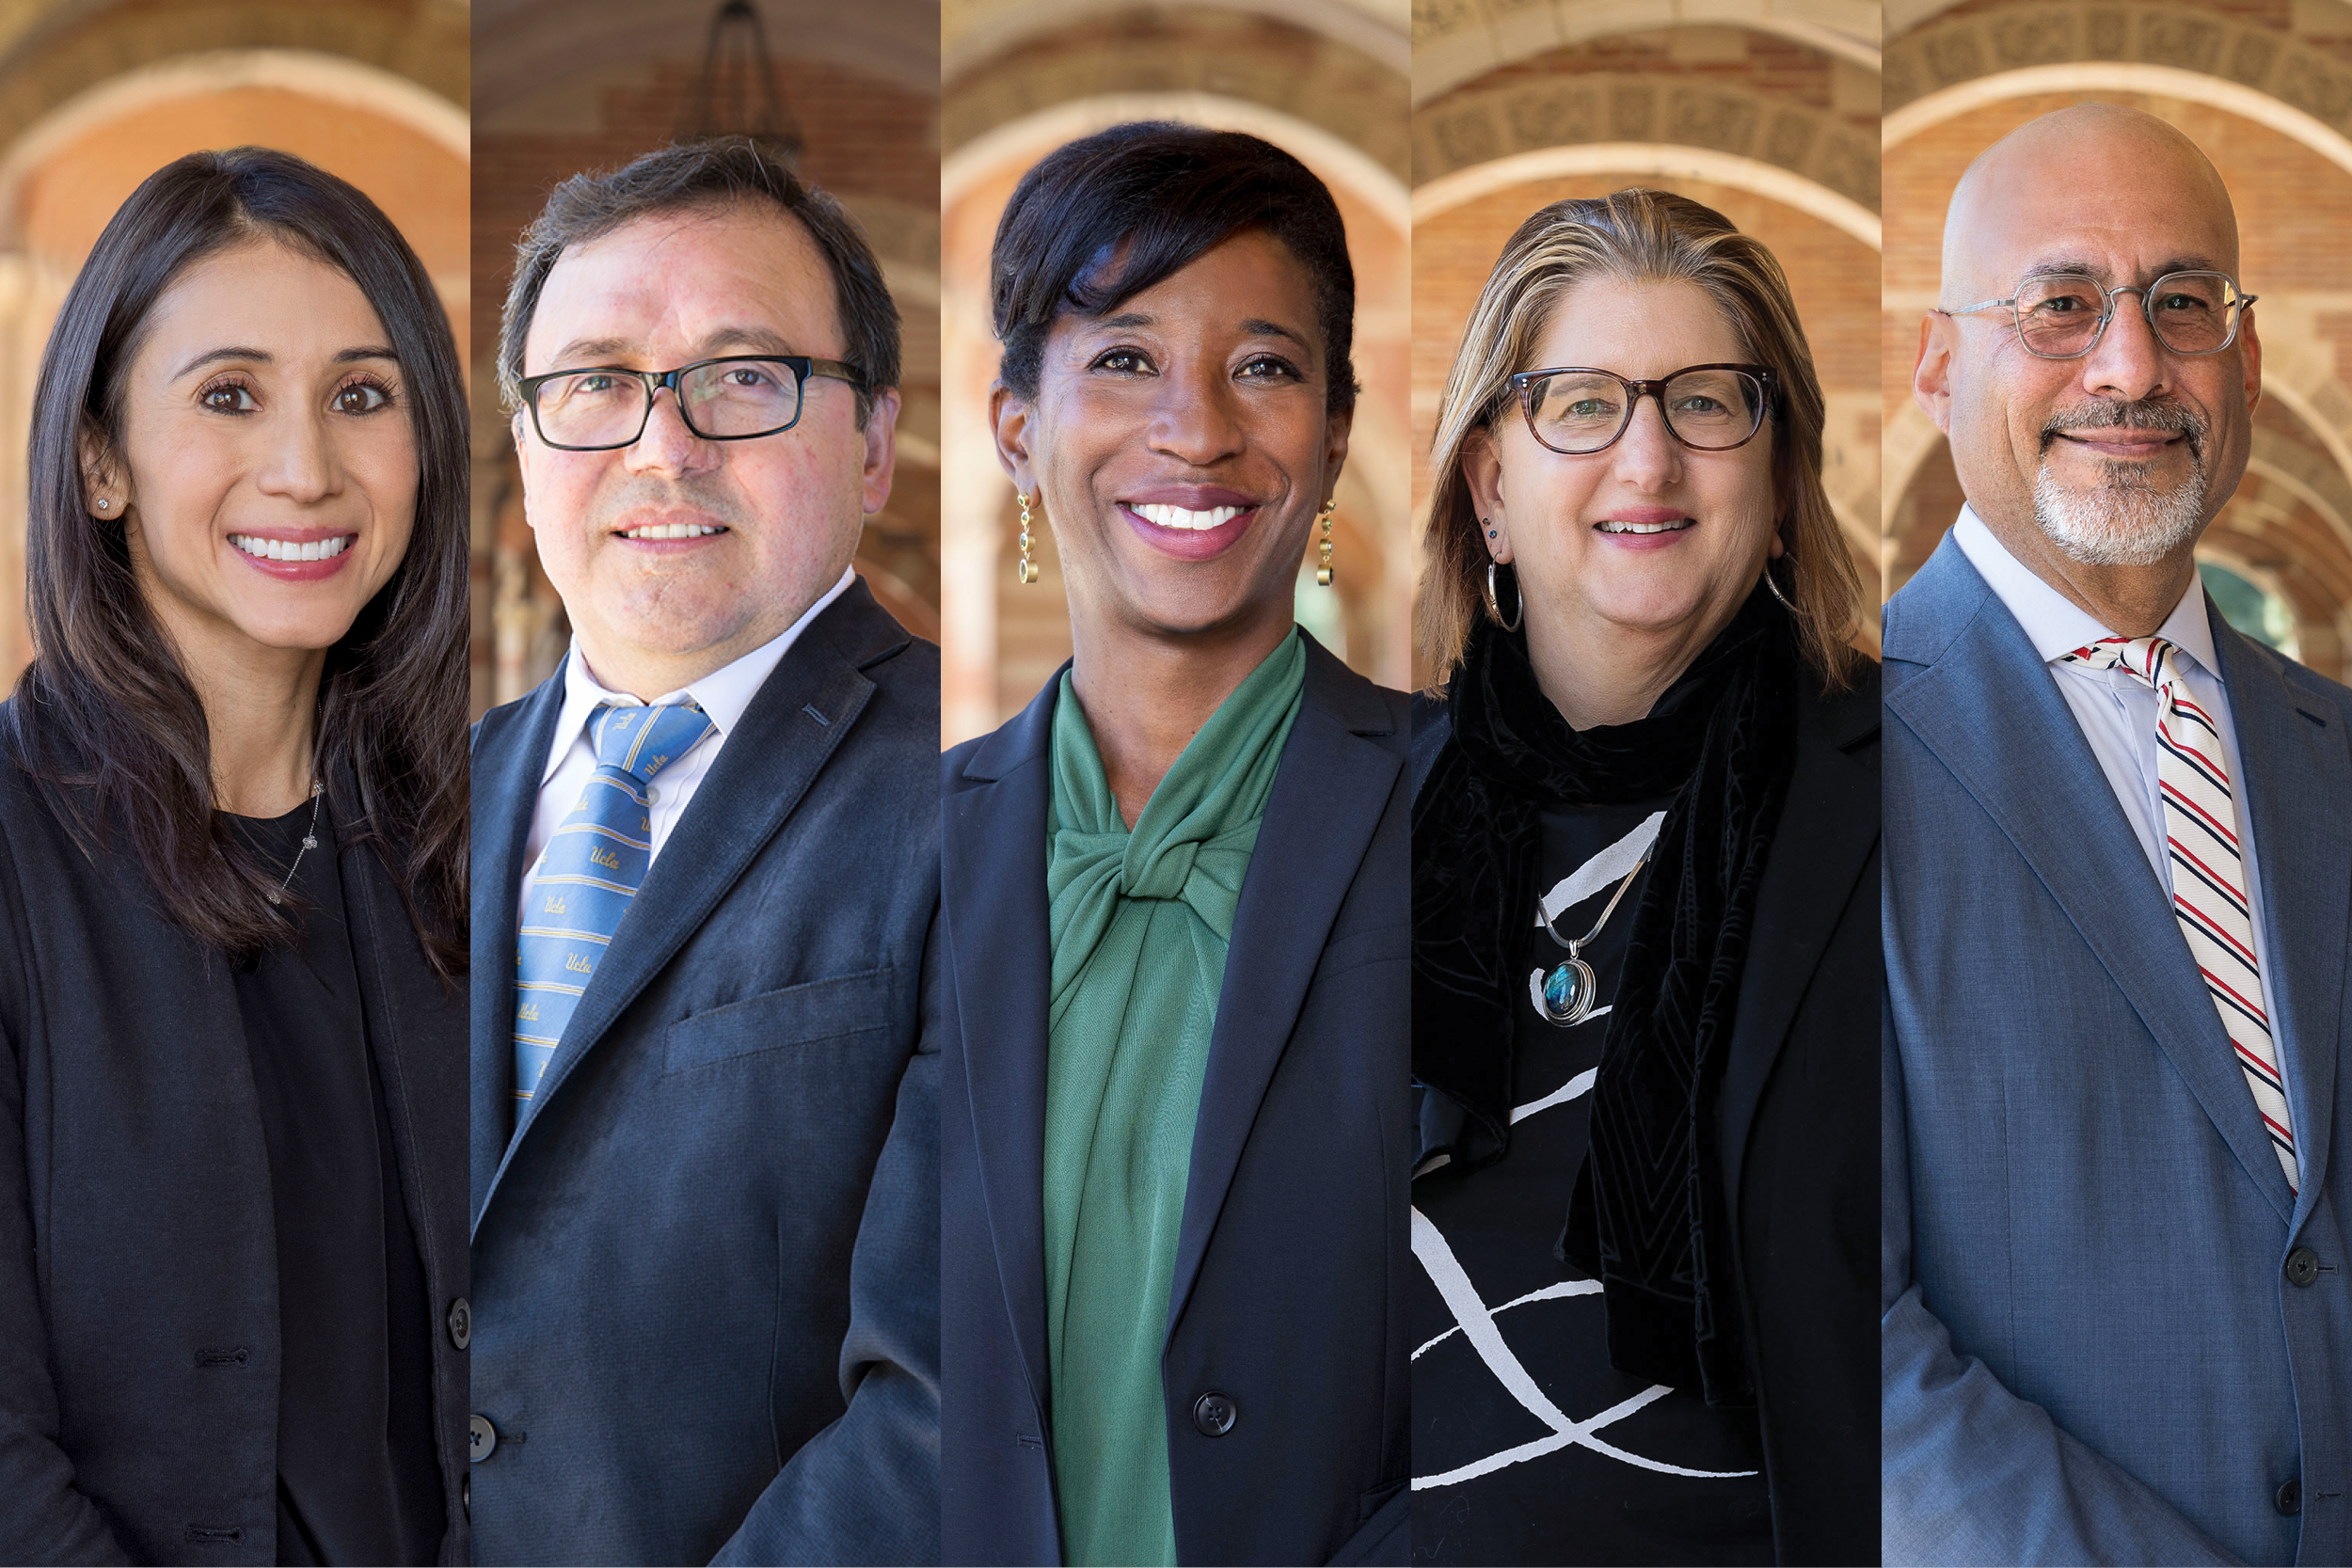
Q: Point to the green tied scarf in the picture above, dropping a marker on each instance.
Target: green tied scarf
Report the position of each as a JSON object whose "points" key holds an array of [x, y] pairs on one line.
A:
{"points": [[1139, 923]]}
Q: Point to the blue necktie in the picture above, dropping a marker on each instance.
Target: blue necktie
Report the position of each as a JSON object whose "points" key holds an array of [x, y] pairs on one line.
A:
{"points": [[589, 873]]}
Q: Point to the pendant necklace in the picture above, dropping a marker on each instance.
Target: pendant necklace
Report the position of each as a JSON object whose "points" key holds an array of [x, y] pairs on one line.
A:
{"points": [[311, 842], [1565, 996]]}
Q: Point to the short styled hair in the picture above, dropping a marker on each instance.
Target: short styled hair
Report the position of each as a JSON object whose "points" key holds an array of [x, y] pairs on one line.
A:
{"points": [[1101, 219], [701, 176], [1637, 236]]}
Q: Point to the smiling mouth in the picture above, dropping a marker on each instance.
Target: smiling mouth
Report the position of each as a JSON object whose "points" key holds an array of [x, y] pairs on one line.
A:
{"points": [[1612, 526], [1183, 517], [672, 531], [287, 549]]}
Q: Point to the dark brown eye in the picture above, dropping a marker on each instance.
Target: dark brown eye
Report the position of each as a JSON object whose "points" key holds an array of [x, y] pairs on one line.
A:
{"points": [[231, 398], [362, 397]]}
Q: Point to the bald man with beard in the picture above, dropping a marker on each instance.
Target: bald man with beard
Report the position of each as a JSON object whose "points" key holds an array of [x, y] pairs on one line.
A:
{"points": [[2117, 1300]]}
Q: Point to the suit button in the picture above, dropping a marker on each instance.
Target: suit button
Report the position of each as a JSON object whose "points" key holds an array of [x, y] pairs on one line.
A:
{"points": [[2290, 1498], [481, 1439], [460, 1324], [1215, 1415], [2302, 1268]]}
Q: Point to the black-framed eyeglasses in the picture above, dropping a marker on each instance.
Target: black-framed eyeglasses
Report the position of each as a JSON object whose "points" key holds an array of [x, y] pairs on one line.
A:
{"points": [[1577, 410], [2062, 315], [734, 398]]}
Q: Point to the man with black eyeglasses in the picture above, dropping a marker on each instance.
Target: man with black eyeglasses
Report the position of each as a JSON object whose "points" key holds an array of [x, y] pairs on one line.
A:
{"points": [[705, 876], [2118, 1301]]}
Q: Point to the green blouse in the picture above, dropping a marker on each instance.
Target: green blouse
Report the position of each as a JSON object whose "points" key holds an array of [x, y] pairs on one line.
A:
{"points": [[1139, 923]]}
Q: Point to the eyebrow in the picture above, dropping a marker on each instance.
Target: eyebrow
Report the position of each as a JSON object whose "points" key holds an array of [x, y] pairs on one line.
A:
{"points": [[262, 357], [1256, 327], [583, 351], [2092, 269]]}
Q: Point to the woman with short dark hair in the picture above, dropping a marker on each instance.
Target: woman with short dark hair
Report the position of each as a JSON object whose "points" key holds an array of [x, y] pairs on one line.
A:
{"points": [[232, 884], [1174, 909]]}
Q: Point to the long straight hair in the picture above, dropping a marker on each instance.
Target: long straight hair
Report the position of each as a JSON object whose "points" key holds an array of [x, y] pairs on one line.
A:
{"points": [[1639, 236], [106, 715]]}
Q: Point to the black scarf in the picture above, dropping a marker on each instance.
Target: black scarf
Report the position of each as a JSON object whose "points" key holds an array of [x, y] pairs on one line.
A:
{"points": [[1648, 1218]]}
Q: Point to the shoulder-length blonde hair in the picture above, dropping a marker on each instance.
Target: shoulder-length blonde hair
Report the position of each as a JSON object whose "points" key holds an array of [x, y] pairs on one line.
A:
{"points": [[1638, 236]]}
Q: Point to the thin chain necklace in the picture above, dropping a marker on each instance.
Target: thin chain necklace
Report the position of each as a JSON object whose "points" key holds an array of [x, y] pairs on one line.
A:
{"points": [[309, 842], [1567, 995]]}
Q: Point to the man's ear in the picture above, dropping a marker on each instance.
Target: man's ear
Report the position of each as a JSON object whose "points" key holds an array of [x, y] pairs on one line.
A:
{"points": [[1932, 372]]}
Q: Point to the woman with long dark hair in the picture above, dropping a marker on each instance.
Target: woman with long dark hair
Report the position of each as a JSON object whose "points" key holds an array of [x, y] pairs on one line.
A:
{"points": [[232, 885], [1174, 909]]}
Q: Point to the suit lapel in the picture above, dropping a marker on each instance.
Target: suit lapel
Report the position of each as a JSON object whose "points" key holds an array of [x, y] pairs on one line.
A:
{"points": [[2292, 751], [2034, 774], [510, 756], [1328, 799], [993, 855], [808, 704], [1823, 840]]}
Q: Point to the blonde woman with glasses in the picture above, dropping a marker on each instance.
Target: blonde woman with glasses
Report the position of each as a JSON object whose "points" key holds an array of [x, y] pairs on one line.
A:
{"points": [[1646, 922]]}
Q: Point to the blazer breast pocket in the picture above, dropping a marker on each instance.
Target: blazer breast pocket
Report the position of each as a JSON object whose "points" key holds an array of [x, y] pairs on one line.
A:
{"points": [[790, 1019]]}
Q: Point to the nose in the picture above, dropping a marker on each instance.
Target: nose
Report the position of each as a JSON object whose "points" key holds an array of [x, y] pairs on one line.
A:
{"points": [[301, 465], [1195, 415], [2129, 362], [1647, 457], [666, 445]]}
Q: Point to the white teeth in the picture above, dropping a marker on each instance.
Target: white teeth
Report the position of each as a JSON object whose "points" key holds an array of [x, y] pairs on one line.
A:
{"points": [[286, 549], [1615, 527], [670, 530], [1177, 516]]}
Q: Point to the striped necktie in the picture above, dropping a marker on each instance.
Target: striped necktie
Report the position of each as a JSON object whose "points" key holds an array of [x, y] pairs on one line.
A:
{"points": [[590, 872], [2208, 871]]}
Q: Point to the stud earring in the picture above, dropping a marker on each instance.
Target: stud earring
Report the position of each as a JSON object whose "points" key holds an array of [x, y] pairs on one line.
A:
{"points": [[1490, 532], [103, 503], [1026, 571], [1323, 572]]}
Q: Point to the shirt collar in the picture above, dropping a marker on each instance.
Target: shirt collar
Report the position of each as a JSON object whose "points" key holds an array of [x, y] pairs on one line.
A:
{"points": [[2056, 625], [725, 693]]}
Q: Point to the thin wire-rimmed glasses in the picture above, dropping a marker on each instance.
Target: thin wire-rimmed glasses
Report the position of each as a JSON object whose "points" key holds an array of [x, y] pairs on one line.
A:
{"points": [[1577, 410], [2062, 315], [734, 398]]}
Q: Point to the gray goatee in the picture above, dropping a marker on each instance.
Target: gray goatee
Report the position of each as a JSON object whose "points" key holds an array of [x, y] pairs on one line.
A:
{"points": [[2124, 520]]}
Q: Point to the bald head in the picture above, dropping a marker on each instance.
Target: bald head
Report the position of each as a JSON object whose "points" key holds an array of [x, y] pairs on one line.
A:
{"points": [[2062, 188]]}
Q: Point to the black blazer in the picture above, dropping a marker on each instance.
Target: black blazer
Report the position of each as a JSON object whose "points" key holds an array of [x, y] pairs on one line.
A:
{"points": [[1797, 1122], [1289, 1291], [707, 1300], [138, 1263]]}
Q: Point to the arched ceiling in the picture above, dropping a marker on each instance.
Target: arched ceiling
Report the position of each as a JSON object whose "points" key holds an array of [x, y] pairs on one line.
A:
{"points": [[520, 44], [971, 31]]}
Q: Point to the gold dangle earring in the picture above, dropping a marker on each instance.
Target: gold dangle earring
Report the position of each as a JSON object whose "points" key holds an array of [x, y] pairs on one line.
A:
{"points": [[1323, 572], [1026, 571]]}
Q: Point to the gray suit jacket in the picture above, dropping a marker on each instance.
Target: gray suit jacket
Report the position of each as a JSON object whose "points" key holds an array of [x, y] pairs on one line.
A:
{"points": [[2092, 1348], [707, 1268]]}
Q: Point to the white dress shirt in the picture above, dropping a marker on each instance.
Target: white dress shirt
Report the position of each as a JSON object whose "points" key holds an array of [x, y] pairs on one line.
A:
{"points": [[2118, 715], [724, 694]]}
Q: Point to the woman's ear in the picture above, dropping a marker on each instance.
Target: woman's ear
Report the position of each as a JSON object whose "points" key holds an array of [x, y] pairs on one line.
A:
{"points": [[1008, 416], [104, 492], [1482, 471]]}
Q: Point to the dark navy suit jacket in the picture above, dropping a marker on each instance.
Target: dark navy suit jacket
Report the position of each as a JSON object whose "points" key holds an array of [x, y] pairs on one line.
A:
{"points": [[138, 1256], [707, 1299], [1289, 1290], [2095, 1347]]}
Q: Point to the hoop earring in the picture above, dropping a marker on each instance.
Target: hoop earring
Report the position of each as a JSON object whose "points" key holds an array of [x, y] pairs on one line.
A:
{"points": [[1774, 587], [1323, 572], [1026, 573], [1495, 609]]}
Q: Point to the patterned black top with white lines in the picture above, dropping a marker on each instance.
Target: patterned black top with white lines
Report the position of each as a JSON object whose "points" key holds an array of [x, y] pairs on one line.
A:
{"points": [[1528, 1446]]}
